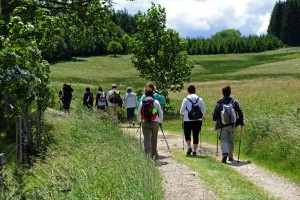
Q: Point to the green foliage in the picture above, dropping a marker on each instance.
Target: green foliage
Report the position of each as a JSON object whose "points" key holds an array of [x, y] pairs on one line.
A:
{"points": [[227, 34], [92, 159], [158, 54], [114, 47], [25, 75], [125, 20], [285, 20], [229, 41]]}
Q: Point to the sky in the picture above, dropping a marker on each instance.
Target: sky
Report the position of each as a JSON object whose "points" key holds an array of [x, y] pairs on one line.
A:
{"points": [[204, 18]]}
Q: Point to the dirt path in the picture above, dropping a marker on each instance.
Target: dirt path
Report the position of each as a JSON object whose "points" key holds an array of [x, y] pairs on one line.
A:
{"points": [[178, 179]]}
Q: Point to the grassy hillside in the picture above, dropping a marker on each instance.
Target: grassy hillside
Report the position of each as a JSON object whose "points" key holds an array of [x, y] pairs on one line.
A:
{"points": [[91, 159]]}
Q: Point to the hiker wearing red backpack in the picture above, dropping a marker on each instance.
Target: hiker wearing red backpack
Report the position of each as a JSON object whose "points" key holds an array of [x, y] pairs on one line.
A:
{"points": [[192, 109], [228, 115], [150, 116], [88, 98]]}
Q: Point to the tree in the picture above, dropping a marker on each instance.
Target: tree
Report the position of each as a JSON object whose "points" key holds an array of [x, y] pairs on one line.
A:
{"points": [[227, 34], [114, 47], [158, 54], [275, 24], [290, 31]]}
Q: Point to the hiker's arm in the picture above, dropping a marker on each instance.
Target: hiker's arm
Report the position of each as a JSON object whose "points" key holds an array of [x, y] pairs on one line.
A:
{"points": [[202, 106], [160, 113], [216, 113], [183, 107], [138, 115], [97, 98], [240, 120]]}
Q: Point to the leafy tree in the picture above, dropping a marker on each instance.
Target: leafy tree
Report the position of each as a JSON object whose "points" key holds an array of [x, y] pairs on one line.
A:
{"points": [[227, 34], [158, 54], [114, 47]]}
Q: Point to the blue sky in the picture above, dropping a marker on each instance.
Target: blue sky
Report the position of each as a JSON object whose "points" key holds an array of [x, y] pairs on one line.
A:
{"points": [[203, 18]]}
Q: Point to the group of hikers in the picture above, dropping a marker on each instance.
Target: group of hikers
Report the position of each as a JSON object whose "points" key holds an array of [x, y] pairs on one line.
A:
{"points": [[227, 114]]}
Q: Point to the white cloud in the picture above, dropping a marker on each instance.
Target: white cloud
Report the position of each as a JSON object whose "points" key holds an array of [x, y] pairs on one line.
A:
{"points": [[205, 17]]}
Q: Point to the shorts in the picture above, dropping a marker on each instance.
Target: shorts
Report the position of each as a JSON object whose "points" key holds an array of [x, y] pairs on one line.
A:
{"points": [[130, 113]]}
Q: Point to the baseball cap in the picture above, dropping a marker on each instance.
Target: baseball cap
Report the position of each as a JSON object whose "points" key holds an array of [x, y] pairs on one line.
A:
{"points": [[113, 85]]}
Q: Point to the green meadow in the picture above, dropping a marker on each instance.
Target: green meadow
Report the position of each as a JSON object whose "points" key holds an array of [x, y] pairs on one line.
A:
{"points": [[91, 158]]}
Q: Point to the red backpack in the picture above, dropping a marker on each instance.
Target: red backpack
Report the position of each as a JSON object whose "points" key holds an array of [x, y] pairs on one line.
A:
{"points": [[149, 112]]}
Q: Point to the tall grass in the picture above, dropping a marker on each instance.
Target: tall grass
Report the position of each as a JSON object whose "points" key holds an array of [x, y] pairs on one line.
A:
{"points": [[92, 159]]}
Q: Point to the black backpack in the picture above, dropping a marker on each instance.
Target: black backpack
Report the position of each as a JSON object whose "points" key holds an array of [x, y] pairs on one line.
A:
{"points": [[90, 99], [115, 97], [149, 112], [67, 93], [195, 113]]}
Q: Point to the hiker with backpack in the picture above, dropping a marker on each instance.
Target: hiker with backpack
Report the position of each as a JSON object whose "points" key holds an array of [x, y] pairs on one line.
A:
{"points": [[156, 95], [130, 103], [88, 99], [228, 115], [114, 100], [192, 109], [65, 95], [101, 100], [150, 117]]}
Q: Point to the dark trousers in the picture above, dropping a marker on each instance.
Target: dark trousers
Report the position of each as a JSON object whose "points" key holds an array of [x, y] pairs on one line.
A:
{"points": [[192, 126]]}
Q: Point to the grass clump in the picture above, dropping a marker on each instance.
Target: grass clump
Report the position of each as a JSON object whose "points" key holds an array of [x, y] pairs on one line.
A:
{"points": [[92, 160], [225, 182]]}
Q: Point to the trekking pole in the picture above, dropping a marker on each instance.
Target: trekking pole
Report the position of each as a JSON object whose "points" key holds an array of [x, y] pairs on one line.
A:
{"points": [[182, 135], [59, 106], [164, 137], [217, 144], [139, 128], [240, 144]]}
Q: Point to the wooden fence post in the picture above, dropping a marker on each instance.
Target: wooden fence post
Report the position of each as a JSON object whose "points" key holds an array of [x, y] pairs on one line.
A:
{"points": [[2, 161], [19, 137]]}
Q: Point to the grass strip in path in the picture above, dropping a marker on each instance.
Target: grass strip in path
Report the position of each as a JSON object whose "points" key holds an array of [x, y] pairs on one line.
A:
{"points": [[223, 180]]}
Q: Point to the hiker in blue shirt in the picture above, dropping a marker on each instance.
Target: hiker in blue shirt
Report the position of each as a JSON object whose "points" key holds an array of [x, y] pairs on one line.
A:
{"points": [[156, 95]]}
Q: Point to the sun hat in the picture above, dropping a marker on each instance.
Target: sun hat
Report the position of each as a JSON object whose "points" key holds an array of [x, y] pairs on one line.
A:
{"points": [[113, 86]]}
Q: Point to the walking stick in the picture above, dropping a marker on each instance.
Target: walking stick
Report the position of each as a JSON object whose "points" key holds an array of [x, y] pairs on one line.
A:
{"points": [[164, 137], [182, 135], [217, 144], [139, 128], [240, 144]]}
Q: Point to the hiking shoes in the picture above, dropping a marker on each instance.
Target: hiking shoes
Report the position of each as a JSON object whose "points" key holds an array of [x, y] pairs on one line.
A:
{"points": [[224, 159], [194, 153], [189, 151], [230, 159]]}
